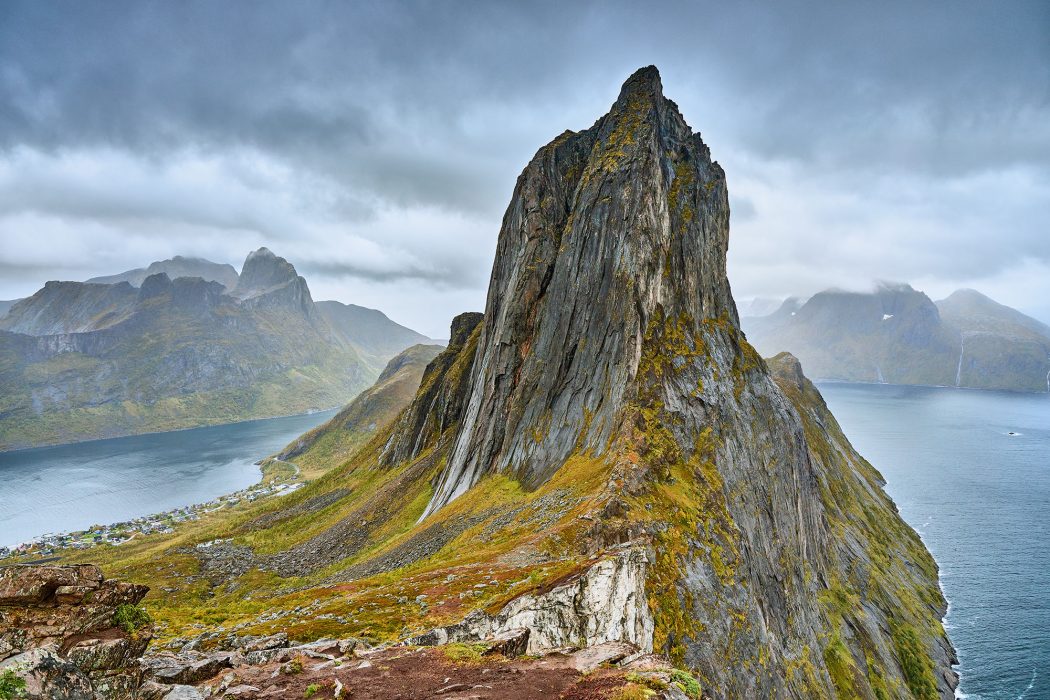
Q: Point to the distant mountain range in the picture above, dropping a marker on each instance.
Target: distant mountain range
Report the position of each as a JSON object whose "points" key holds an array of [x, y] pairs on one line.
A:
{"points": [[898, 335], [181, 343], [224, 274]]}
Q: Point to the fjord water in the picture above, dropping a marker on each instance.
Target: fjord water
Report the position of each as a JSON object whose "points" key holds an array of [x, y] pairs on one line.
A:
{"points": [[980, 498], [71, 487]]}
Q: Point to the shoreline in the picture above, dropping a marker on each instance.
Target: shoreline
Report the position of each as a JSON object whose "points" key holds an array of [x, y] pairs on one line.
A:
{"points": [[6, 451], [51, 545], [1012, 392]]}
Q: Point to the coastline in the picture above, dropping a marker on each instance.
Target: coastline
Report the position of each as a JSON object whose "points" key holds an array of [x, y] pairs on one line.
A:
{"points": [[995, 483], [4, 450], [273, 481], [1012, 392]]}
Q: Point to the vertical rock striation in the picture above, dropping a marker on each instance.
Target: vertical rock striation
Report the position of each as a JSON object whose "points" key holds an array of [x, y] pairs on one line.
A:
{"points": [[606, 228], [610, 330], [603, 459]]}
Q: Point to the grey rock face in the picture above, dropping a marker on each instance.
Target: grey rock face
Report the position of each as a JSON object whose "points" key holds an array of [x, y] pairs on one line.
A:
{"points": [[70, 307], [184, 692], [179, 266], [268, 281], [605, 227], [610, 331], [606, 604], [263, 270], [441, 399]]}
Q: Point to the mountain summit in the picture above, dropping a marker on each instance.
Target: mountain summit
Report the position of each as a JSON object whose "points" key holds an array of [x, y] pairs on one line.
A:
{"points": [[610, 333], [611, 232], [600, 459], [262, 270]]}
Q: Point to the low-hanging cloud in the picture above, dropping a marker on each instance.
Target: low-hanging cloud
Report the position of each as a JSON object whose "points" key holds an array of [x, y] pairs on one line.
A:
{"points": [[376, 145]]}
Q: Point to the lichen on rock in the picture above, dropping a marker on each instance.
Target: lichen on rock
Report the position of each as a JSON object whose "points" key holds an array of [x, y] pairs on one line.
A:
{"points": [[62, 632]]}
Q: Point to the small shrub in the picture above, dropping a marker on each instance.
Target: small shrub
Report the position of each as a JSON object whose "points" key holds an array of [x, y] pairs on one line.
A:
{"points": [[685, 681], [915, 662], [649, 681], [130, 618], [293, 667], [11, 686], [464, 653], [632, 691], [311, 690]]}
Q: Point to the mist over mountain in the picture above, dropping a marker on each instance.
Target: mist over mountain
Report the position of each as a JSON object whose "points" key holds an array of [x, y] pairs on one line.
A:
{"points": [[898, 335], [177, 266], [150, 352]]}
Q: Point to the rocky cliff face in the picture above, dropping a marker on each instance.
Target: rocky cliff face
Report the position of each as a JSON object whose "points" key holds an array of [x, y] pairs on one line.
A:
{"points": [[70, 634], [607, 230], [610, 331], [602, 458], [70, 307], [271, 282]]}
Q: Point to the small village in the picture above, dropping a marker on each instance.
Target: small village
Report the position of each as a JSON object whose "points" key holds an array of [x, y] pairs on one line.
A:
{"points": [[114, 534]]}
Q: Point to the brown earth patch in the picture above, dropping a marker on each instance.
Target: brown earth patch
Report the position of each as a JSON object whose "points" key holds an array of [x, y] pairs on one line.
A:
{"points": [[428, 673]]}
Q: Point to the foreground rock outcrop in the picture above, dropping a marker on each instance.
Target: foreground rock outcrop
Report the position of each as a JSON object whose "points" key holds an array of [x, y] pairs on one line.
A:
{"points": [[69, 633], [605, 603], [496, 669]]}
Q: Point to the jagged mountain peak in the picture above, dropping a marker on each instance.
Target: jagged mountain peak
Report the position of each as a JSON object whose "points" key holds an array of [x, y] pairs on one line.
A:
{"points": [[264, 270], [610, 338], [644, 80], [269, 281], [155, 285], [607, 229], [261, 252]]}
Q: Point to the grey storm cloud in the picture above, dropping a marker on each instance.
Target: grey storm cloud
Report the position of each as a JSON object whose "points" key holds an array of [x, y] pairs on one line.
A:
{"points": [[862, 140], [444, 275]]}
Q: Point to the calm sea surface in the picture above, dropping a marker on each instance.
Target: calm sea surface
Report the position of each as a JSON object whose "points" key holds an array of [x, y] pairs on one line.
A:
{"points": [[71, 487], [980, 498]]}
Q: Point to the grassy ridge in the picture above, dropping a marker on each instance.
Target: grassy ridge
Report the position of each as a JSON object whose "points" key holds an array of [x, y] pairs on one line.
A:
{"points": [[376, 407], [500, 541]]}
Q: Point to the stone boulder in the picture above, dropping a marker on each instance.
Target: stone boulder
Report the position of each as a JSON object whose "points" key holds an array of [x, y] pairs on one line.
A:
{"points": [[58, 632]]}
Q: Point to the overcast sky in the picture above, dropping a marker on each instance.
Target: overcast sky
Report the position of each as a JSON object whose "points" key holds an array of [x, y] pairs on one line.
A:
{"points": [[375, 145]]}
